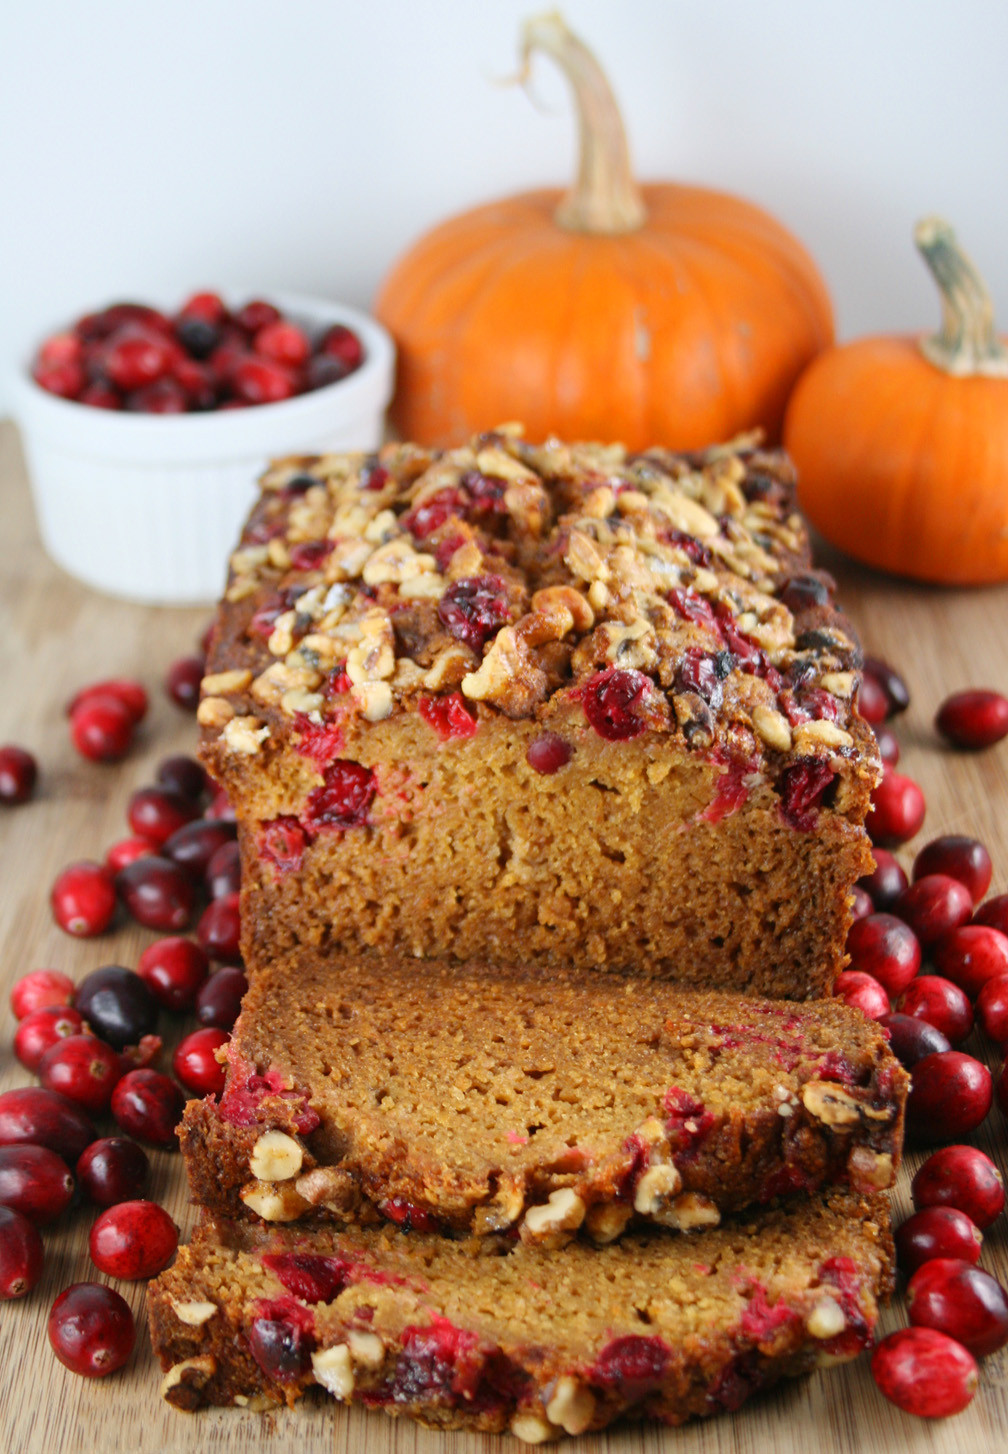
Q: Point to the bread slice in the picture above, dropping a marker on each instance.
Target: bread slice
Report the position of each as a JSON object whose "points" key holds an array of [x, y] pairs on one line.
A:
{"points": [[501, 1335], [453, 1097]]}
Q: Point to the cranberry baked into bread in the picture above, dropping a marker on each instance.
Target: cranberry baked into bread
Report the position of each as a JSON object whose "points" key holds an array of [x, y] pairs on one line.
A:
{"points": [[589, 703], [497, 1337], [451, 1098]]}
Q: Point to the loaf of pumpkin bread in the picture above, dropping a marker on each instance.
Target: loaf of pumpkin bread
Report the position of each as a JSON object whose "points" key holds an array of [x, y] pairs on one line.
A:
{"points": [[508, 1336], [449, 1098], [589, 703]]}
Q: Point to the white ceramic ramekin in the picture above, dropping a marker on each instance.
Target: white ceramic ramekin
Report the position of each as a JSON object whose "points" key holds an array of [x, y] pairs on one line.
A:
{"points": [[148, 507]]}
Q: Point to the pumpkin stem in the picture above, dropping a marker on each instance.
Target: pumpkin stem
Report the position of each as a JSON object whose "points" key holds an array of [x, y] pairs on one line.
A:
{"points": [[967, 342], [605, 198]]}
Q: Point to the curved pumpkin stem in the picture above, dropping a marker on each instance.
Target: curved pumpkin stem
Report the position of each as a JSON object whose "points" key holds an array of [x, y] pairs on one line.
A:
{"points": [[967, 342], [605, 198]]}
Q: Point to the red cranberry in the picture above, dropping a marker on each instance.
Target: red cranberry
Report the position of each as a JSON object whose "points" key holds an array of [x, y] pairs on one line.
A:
{"points": [[937, 1232], [941, 1003], [449, 716], [971, 955], [133, 1240], [856, 988], [898, 809], [183, 681], [126, 690], [18, 774], [1001, 1088], [219, 928], [925, 1373], [888, 745], [861, 904], [83, 1068], [885, 947], [206, 306], [100, 395], [961, 1177], [195, 1064], [474, 609], [35, 1182], [873, 704], [83, 899], [889, 681], [341, 342], [112, 1169], [954, 1297], [91, 1329], [992, 1009], [279, 1347], [174, 969], [262, 381], [960, 857], [223, 874], [127, 850], [347, 792], [158, 813], [256, 314], [33, 1116], [182, 775], [148, 1105], [117, 1004], [102, 729], [219, 1001], [42, 1029], [973, 719], [221, 809], [21, 1254], [548, 752], [194, 844], [283, 342], [886, 881], [933, 905], [39, 989], [910, 1038], [994, 912], [950, 1094], [136, 356], [64, 378], [158, 893], [612, 702]]}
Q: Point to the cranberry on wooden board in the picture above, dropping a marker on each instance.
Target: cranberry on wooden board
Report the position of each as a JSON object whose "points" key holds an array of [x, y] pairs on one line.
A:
{"points": [[183, 775], [887, 880], [194, 844], [973, 719], [182, 682], [131, 693], [18, 774], [40, 988], [83, 1068], [863, 991], [888, 746], [885, 947], [936, 1232], [83, 899], [960, 857], [950, 1095], [992, 1009], [42, 1029], [898, 809], [962, 1177], [994, 911], [194, 1061], [101, 728], [873, 704], [158, 813], [157, 893], [223, 873], [924, 1372], [861, 904], [952, 1296], [941, 1003], [133, 1240], [971, 955], [910, 1038], [889, 682], [174, 969], [91, 1329], [219, 1001], [127, 850], [933, 905], [21, 1254], [112, 1169], [117, 1004], [148, 1105], [219, 928], [35, 1182], [32, 1115]]}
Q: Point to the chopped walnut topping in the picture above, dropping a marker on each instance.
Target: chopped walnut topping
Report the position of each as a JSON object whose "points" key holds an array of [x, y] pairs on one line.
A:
{"points": [[811, 735], [826, 1320], [606, 1221], [245, 735], [333, 1369], [830, 1103], [214, 712], [194, 1313], [556, 1221], [330, 1187], [194, 1372], [274, 1202], [571, 1406], [276, 1157], [225, 683]]}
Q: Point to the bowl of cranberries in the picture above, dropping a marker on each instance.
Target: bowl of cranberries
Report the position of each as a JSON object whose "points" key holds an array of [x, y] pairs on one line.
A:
{"points": [[145, 428]]}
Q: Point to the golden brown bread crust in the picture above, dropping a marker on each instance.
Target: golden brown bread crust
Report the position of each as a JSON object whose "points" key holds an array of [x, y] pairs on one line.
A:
{"points": [[447, 1097], [541, 1342], [594, 703]]}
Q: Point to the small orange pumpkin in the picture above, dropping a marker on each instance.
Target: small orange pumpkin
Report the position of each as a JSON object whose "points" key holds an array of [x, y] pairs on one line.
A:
{"points": [[665, 314], [901, 443]]}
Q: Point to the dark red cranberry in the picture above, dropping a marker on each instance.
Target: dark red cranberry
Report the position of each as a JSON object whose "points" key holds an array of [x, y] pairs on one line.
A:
{"points": [[941, 1003], [343, 800], [933, 905], [83, 1068], [950, 1094], [952, 1296], [961, 1177], [18, 774], [341, 342], [112, 1169], [148, 1105], [42, 1029], [321, 370], [973, 719], [40, 989], [174, 970], [182, 682], [888, 746], [223, 873], [255, 315], [872, 701], [35, 1182], [1001, 1087], [547, 753], [924, 1372], [127, 850], [283, 342], [936, 1232], [182, 775], [157, 893], [910, 1038], [898, 809], [194, 844], [104, 323], [33, 1116], [889, 682], [613, 703], [91, 1329], [885, 947], [474, 609], [164, 396], [861, 904], [117, 1004], [803, 787], [158, 813], [65, 379], [83, 899], [21, 1254], [133, 1240], [100, 395], [886, 881], [262, 381], [971, 955], [279, 1347], [994, 911], [960, 857], [195, 1064], [219, 929], [448, 716], [992, 1009], [856, 988], [219, 1001]]}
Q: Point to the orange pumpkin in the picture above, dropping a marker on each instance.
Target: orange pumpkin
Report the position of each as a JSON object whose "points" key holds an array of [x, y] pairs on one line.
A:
{"points": [[902, 443], [657, 315]]}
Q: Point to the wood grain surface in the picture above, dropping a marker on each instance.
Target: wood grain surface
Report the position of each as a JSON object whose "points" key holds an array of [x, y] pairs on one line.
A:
{"points": [[56, 635]]}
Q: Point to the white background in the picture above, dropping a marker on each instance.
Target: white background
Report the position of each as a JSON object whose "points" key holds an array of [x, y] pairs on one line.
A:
{"points": [[148, 148]]}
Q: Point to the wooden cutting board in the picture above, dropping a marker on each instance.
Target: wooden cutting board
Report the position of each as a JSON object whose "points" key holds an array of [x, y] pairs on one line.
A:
{"points": [[55, 636]]}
